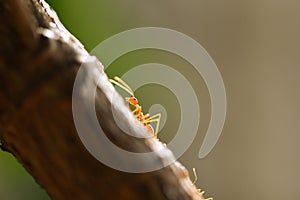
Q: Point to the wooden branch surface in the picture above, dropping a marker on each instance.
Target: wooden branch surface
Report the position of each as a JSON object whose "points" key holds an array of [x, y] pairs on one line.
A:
{"points": [[39, 60]]}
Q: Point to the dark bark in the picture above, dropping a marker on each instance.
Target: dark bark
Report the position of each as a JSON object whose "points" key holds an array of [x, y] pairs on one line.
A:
{"points": [[39, 60]]}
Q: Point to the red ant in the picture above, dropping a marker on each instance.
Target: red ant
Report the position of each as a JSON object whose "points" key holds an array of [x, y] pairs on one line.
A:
{"points": [[137, 109], [194, 182], [145, 119]]}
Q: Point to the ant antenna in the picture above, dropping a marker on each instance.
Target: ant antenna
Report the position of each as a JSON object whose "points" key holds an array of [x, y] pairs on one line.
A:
{"points": [[195, 175], [124, 84], [119, 82]]}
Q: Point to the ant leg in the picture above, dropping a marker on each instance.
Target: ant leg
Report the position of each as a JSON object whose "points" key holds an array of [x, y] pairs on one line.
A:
{"points": [[145, 117], [158, 115], [119, 80], [196, 178], [121, 86], [137, 112], [154, 118]]}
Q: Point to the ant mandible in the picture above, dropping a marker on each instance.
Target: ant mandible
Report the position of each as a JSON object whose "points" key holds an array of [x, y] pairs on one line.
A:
{"points": [[137, 109]]}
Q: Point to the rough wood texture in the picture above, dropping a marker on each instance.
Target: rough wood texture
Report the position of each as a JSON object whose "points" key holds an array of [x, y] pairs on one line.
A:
{"points": [[39, 60]]}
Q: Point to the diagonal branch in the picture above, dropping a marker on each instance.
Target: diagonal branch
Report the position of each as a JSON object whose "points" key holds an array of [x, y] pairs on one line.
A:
{"points": [[39, 60]]}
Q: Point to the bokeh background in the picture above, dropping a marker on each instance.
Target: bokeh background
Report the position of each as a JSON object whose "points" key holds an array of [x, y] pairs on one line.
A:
{"points": [[256, 47]]}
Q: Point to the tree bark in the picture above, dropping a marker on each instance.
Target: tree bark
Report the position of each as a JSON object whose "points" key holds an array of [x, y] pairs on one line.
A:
{"points": [[39, 60]]}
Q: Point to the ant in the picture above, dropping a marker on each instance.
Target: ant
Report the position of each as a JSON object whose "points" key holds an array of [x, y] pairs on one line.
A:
{"points": [[194, 182], [145, 119]]}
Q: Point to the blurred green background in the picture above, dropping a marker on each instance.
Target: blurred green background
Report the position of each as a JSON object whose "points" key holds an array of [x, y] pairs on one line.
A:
{"points": [[256, 47]]}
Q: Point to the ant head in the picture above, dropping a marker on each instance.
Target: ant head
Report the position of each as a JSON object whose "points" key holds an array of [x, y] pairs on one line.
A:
{"points": [[132, 100]]}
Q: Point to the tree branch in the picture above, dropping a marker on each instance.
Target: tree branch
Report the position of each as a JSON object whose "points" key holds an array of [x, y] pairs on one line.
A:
{"points": [[39, 60]]}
